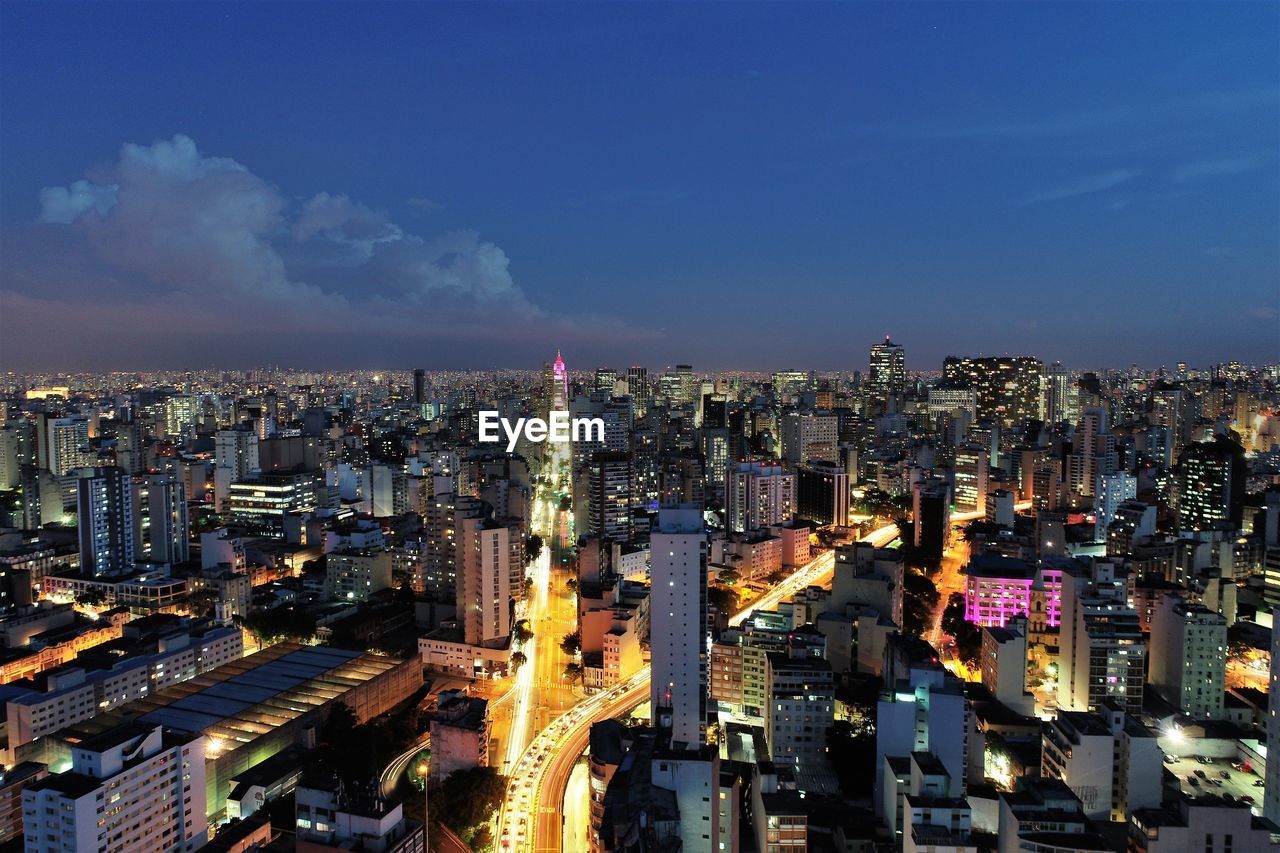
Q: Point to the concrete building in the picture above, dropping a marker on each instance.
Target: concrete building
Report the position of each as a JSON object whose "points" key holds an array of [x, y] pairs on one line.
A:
{"points": [[105, 519], [161, 532], [1102, 651], [484, 581], [1187, 824], [802, 702], [1188, 652], [678, 639], [1271, 793], [822, 493], [329, 816], [972, 474], [1003, 661], [758, 494], [807, 436], [1109, 760], [1045, 816], [868, 576], [355, 574], [459, 734], [136, 786]]}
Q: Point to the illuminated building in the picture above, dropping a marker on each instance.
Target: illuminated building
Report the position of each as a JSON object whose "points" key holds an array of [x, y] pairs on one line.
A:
{"points": [[808, 436], [758, 494], [1271, 793], [259, 505], [822, 493], [887, 374], [354, 574], [1108, 759], [1007, 387], [137, 786], [998, 589], [1211, 485], [484, 580], [638, 389], [609, 499], [1102, 651], [105, 510], [972, 473], [678, 637], [68, 445], [1060, 395], [946, 398], [161, 532], [1187, 655]]}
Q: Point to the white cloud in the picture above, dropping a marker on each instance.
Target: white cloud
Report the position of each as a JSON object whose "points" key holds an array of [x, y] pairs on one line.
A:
{"points": [[1085, 186], [63, 205]]}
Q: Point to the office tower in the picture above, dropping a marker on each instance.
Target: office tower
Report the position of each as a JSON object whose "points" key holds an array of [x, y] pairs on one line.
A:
{"points": [[261, 504], [606, 379], [235, 459], [758, 494], [1188, 656], [1211, 485], [1102, 651], [678, 634], [887, 375], [609, 499], [1112, 490], [801, 703], [686, 384], [104, 503], [134, 787], [972, 472], [808, 436], [484, 580], [1094, 453], [1003, 660], [11, 455], [555, 387], [1007, 387], [1060, 395], [1109, 759], [161, 533], [638, 389], [68, 445], [946, 398], [788, 383], [822, 493], [931, 513], [179, 415], [1271, 793], [419, 386]]}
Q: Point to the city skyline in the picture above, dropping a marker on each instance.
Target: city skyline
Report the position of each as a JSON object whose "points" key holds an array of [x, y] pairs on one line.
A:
{"points": [[450, 192]]}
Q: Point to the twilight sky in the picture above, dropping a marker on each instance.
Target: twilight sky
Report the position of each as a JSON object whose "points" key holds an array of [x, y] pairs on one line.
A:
{"points": [[732, 185]]}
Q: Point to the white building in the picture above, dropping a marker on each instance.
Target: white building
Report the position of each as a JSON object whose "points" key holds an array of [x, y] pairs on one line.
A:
{"points": [[1271, 794], [1109, 760], [809, 436], [758, 494], [1188, 652], [132, 788], [104, 503], [484, 580], [678, 635]]}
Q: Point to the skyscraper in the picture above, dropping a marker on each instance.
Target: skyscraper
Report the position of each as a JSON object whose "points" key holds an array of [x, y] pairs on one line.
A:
{"points": [[160, 527], [484, 580], [678, 608], [419, 385], [638, 388], [887, 376], [1007, 387], [1211, 487], [758, 494], [105, 506]]}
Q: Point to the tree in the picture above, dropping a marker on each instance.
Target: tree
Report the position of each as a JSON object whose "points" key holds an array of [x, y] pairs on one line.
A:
{"points": [[521, 633], [919, 598], [565, 504], [571, 644], [518, 659], [573, 672], [92, 598], [201, 602], [405, 593], [279, 623], [467, 799], [533, 548], [968, 636], [723, 599], [729, 577]]}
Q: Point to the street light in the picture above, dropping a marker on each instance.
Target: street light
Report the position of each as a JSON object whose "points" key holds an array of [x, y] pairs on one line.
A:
{"points": [[426, 823]]}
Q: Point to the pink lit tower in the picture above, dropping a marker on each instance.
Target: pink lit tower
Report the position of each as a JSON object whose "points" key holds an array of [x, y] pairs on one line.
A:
{"points": [[555, 385]]}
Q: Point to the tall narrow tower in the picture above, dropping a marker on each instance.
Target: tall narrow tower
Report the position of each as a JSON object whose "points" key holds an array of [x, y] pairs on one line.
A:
{"points": [[678, 608]]}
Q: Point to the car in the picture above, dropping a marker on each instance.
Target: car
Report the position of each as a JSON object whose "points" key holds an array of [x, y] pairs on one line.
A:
{"points": [[1202, 774], [1224, 774], [1169, 759], [1228, 798], [1259, 783], [1193, 780], [1247, 799]]}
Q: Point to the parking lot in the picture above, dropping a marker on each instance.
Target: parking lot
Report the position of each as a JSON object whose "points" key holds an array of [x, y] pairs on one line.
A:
{"points": [[1238, 784]]}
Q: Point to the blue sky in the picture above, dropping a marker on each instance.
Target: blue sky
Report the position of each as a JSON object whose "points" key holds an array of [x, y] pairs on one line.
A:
{"points": [[736, 185]]}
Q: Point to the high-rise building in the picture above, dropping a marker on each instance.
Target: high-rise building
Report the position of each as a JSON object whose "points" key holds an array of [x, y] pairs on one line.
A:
{"points": [[887, 376], [758, 494], [1211, 485], [1111, 491], [972, 475], [1188, 657], [1271, 793], [606, 379], [104, 503], [946, 398], [678, 620], [801, 703], [822, 493], [1094, 453], [609, 499], [484, 580], [1102, 650], [638, 389], [68, 445], [419, 386], [807, 436], [134, 787], [1007, 387], [1060, 395], [161, 532]]}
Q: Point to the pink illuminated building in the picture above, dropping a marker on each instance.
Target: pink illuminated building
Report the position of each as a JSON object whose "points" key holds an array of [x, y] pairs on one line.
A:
{"points": [[1000, 588]]}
